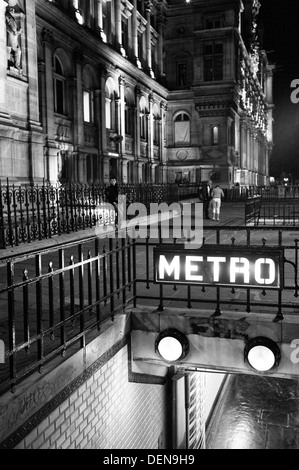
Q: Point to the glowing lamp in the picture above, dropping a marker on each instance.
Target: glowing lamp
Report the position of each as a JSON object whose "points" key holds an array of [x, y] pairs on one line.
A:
{"points": [[262, 354], [172, 345]]}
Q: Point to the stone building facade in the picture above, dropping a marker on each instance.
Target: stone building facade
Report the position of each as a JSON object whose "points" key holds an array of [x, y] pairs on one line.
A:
{"points": [[148, 91]]}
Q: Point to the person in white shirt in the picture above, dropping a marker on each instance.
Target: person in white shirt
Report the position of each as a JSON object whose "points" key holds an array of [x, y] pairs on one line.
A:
{"points": [[216, 195]]}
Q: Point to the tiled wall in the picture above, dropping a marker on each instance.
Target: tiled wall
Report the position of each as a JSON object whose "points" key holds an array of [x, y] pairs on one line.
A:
{"points": [[105, 412]]}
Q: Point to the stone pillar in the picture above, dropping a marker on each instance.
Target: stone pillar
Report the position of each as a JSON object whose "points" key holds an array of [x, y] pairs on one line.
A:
{"points": [[36, 152], [137, 124], [102, 130], [4, 115], [99, 14], [161, 27], [121, 128], [78, 103], [118, 25], [140, 175], [148, 36], [51, 150], [97, 115], [134, 31], [124, 171], [150, 142]]}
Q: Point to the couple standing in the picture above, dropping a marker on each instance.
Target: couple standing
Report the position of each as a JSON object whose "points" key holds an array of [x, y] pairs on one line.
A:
{"points": [[211, 199]]}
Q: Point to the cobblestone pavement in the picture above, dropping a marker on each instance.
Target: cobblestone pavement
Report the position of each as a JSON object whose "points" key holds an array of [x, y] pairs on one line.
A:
{"points": [[256, 412]]}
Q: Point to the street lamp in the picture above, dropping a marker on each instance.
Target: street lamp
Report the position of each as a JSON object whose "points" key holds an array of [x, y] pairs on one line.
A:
{"points": [[262, 354], [172, 345]]}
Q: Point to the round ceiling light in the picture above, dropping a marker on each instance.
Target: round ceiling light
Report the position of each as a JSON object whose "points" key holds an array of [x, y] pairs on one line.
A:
{"points": [[262, 354], [172, 345]]}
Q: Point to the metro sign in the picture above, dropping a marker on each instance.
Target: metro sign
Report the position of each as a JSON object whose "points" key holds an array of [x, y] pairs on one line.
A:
{"points": [[220, 266]]}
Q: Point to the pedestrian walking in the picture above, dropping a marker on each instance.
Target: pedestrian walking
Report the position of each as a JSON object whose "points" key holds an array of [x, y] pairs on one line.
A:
{"points": [[204, 191], [112, 196], [216, 196]]}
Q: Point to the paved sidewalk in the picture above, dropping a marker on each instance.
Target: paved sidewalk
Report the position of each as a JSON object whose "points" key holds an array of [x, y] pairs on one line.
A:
{"points": [[231, 214]]}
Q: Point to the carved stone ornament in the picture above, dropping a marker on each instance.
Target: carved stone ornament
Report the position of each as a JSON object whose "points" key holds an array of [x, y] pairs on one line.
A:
{"points": [[182, 155]]}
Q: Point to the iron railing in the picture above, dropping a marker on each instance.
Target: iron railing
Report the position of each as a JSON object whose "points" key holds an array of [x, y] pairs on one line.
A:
{"points": [[53, 301], [279, 212], [30, 213], [252, 210]]}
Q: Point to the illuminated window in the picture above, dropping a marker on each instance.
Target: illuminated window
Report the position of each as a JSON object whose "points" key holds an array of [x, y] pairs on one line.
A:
{"points": [[182, 130], [110, 105], [215, 135], [88, 98]]}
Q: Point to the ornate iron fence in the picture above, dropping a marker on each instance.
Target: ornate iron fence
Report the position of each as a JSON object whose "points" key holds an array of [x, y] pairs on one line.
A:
{"points": [[30, 213]]}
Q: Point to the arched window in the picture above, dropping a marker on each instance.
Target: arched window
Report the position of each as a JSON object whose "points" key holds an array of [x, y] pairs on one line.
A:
{"points": [[129, 113], [156, 126], [59, 87], [182, 130], [110, 107], [143, 120], [88, 98]]}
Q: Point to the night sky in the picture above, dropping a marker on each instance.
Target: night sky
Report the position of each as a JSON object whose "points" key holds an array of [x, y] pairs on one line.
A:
{"points": [[281, 41]]}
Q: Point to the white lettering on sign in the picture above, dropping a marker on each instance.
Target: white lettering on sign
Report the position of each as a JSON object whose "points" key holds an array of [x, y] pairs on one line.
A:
{"points": [[239, 266], [190, 267], [258, 269], [250, 270], [174, 266], [216, 260]]}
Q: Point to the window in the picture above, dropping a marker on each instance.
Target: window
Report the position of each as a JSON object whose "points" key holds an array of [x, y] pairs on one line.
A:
{"points": [[128, 119], [88, 98], [125, 34], [156, 130], [110, 107], [140, 47], [59, 87], [182, 130], [88, 106], [213, 61], [181, 74], [106, 14], [143, 125], [214, 22], [215, 135]]}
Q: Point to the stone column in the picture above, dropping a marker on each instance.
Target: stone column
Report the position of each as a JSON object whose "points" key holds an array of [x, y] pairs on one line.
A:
{"points": [[97, 115], [150, 142], [118, 25], [78, 100], [140, 175], [51, 150], [137, 124], [4, 116], [148, 35], [161, 27], [99, 14], [134, 31], [103, 131]]}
